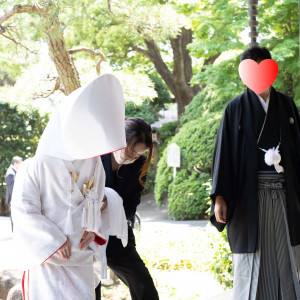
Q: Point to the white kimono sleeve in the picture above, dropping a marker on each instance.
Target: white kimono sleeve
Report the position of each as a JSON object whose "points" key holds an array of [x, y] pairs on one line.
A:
{"points": [[37, 237]]}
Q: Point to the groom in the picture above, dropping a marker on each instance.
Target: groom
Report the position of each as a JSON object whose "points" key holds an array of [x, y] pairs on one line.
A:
{"points": [[260, 204]]}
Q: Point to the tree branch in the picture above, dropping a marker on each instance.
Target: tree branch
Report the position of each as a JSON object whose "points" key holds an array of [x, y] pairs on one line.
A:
{"points": [[16, 43], [56, 87], [18, 9], [160, 66], [91, 52], [142, 51], [2, 29], [211, 59], [109, 6]]}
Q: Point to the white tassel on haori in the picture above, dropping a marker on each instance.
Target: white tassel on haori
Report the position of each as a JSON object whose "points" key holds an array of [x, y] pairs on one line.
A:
{"points": [[69, 223], [84, 220], [90, 211], [273, 157]]}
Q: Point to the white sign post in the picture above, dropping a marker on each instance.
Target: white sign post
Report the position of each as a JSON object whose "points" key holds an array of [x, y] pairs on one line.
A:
{"points": [[173, 157]]}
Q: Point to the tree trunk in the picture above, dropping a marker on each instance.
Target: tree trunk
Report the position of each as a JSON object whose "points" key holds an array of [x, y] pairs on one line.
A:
{"points": [[178, 81], [183, 71], [58, 52]]}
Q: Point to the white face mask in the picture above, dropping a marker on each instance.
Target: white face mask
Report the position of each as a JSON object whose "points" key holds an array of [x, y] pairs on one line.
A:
{"points": [[121, 159]]}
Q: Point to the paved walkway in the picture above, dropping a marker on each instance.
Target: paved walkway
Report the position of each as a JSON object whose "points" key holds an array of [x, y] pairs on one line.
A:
{"points": [[7, 251]]}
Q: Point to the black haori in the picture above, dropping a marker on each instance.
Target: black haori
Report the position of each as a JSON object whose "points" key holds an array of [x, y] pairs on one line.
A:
{"points": [[235, 167]]}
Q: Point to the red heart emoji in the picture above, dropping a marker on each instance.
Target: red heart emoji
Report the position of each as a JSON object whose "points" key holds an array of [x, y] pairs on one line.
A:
{"points": [[258, 77]]}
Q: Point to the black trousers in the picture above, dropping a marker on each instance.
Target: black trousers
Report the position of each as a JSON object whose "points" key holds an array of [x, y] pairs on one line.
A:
{"points": [[130, 268], [11, 221]]}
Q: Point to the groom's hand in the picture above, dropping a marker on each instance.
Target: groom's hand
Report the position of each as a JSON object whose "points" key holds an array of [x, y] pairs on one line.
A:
{"points": [[220, 209]]}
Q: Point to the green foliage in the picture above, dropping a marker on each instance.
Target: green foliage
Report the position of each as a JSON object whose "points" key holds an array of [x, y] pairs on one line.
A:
{"points": [[119, 32], [188, 196], [223, 84], [149, 109], [280, 34], [221, 263], [217, 26], [166, 132], [163, 93], [145, 111], [24, 30], [163, 178], [20, 133]]}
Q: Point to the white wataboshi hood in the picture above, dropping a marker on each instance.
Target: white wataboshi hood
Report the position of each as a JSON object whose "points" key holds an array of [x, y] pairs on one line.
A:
{"points": [[89, 123]]}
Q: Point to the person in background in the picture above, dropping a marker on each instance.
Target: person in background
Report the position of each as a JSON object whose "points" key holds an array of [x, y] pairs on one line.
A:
{"points": [[10, 180], [126, 171]]}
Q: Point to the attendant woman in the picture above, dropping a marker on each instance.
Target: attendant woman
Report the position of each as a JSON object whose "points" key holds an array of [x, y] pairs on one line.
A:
{"points": [[126, 171]]}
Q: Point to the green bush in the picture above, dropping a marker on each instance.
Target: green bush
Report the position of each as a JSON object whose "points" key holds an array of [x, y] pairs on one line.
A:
{"points": [[20, 133], [221, 263], [188, 196], [196, 141], [146, 111], [149, 109], [163, 177], [166, 132], [222, 85]]}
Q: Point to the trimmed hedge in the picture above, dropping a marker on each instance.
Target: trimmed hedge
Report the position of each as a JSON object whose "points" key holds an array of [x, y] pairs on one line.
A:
{"points": [[20, 133], [188, 196]]}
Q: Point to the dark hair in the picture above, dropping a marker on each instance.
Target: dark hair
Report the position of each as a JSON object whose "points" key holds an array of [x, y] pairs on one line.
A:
{"points": [[139, 131], [256, 53]]}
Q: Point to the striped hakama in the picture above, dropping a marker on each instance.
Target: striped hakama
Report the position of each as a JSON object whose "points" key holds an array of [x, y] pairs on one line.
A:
{"points": [[272, 272]]}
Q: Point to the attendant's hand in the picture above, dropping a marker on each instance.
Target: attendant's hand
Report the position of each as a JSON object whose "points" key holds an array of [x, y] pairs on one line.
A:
{"points": [[220, 209], [86, 239], [104, 204], [65, 250]]}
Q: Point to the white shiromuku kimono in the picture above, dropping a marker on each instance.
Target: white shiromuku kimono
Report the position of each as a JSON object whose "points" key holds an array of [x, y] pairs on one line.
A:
{"points": [[49, 206]]}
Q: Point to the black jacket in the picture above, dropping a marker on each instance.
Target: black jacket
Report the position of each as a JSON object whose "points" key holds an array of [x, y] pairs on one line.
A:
{"points": [[234, 172], [10, 180], [128, 187], [127, 184]]}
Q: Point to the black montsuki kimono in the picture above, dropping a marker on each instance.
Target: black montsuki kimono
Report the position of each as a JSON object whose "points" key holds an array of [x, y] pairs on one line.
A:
{"points": [[235, 166]]}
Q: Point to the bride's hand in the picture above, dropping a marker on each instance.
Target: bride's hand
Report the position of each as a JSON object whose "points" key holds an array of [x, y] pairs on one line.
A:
{"points": [[86, 239], [65, 250], [104, 204]]}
